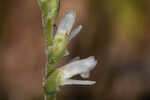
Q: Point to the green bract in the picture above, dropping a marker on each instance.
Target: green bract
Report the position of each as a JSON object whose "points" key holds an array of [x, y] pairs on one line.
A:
{"points": [[58, 49]]}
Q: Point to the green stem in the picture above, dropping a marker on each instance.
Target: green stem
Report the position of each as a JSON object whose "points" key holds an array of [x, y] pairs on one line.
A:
{"points": [[48, 31], [50, 9]]}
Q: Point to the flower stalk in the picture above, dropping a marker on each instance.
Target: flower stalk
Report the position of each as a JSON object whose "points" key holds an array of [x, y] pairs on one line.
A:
{"points": [[56, 48]]}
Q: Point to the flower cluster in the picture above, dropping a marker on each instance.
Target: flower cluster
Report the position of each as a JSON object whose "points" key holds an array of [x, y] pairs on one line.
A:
{"points": [[57, 39], [62, 76], [75, 67]]}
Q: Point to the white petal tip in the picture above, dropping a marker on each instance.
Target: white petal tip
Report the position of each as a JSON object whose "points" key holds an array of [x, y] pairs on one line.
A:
{"points": [[71, 14], [92, 82], [90, 62], [75, 32]]}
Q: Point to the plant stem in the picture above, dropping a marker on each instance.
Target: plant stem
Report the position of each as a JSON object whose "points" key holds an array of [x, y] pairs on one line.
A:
{"points": [[50, 10]]}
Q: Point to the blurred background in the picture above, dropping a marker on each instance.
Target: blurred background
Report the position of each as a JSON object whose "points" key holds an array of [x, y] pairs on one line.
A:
{"points": [[115, 31]]}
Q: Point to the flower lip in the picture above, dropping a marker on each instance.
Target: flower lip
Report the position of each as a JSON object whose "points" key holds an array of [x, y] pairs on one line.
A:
{"points": [[78, 82]]}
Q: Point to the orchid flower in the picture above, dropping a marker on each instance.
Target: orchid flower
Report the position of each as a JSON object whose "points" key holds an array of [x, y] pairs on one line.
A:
{"points": [[77, 67], [66, 24]]}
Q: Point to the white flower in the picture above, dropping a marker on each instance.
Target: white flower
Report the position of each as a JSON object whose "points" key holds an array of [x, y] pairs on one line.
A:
{"points": [[65, 27], [66, 24], [78, 67]]}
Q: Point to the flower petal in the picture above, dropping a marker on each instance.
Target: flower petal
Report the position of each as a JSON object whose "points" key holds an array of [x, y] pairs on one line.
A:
{"points": [[75, 32], [79, 67], [78, 82], [66, 23]]}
